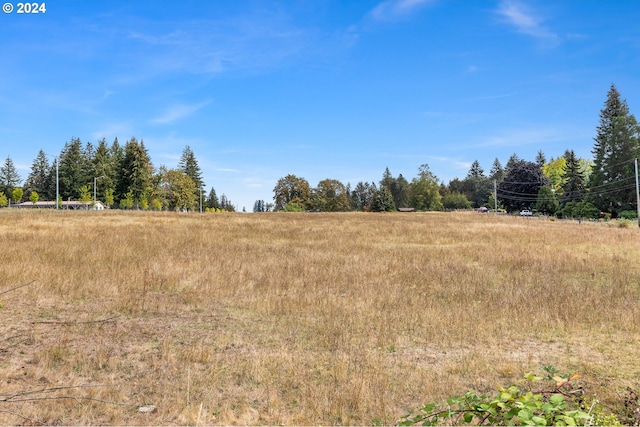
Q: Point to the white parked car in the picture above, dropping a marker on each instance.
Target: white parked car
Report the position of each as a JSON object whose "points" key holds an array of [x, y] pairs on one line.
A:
{"points": [[526, 212]]}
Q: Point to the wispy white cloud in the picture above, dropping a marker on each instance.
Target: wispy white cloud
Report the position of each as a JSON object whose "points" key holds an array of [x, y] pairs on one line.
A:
{"points": [[178, 111], [392, 10], [526, 21]]}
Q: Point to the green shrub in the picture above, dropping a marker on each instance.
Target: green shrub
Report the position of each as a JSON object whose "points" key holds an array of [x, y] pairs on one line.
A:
{"points": [[558, 401], [628, 215]]}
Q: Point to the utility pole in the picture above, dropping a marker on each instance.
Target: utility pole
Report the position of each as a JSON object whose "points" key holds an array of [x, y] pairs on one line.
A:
{"points": [[637, 193], [495, 195]]}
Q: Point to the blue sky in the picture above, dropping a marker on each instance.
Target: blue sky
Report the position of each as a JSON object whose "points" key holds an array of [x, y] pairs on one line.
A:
{"points": [[316, 88]]}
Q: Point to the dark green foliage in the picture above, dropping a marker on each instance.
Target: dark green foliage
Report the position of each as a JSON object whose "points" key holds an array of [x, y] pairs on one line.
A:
{"points": [[362, 195], [520, 187], [573, 187], [383, 201], [212, 201], [136, 171], [398, 187], [612, 180], [511, 162], [547, 202], [497, 171], [74, 170], [40, 170], [541, 159], [259, 206], [631, 215], [583, 209], [189, 165], [9, 177], [455, 200], [476, 186], [104, 167]]}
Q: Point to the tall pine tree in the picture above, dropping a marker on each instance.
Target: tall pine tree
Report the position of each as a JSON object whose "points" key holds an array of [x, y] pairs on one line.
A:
{"points": [[136, 171], [612, 180], [73, 171], [37, 179], [189, 165], [573, 186], [9, 178]]}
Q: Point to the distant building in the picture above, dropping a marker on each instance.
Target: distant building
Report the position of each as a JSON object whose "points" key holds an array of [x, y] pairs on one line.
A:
{"points": [[71, 205]]}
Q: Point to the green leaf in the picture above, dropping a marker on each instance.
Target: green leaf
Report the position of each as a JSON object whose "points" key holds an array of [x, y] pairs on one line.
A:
{"points": [[468, 416], [568, 420], [539, 421], [556, 399], [525, 414]]}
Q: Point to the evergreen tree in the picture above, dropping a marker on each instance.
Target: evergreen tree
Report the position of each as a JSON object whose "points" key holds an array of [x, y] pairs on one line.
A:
{"points": [[541, 159], [189, 165], [612, 179], [136, 171], [40, 170], [400, 192], [383, 200], [363, 195], [103, 167], [511, 162], [212, 201], [497, 172], [573, 187], [258, 206], [477, 187], [73, 170], [547, 202], [387, 179], [9, 177], [116, 156]]}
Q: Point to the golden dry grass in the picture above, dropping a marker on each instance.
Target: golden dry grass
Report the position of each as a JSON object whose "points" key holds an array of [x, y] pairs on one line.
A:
{"points": [[304, 318]]}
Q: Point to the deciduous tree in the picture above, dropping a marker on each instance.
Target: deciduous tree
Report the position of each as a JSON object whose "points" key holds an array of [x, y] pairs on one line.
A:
{"points": [[424, 194], [178, 190], [291, 189], [520, 186], [330, 196]]}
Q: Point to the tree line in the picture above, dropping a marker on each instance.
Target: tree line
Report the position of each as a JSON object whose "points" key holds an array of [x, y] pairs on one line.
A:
{"points": [[124, 177], [120, 176], [567, 186]]}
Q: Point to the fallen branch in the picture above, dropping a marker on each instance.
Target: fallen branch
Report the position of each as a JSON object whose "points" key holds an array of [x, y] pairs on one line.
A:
{"points": [[17, 287], [10, 397], [36, 422], [66, 322]]}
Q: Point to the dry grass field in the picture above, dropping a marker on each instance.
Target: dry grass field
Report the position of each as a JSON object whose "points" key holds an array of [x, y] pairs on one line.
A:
{"points": [[303, 319]]}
